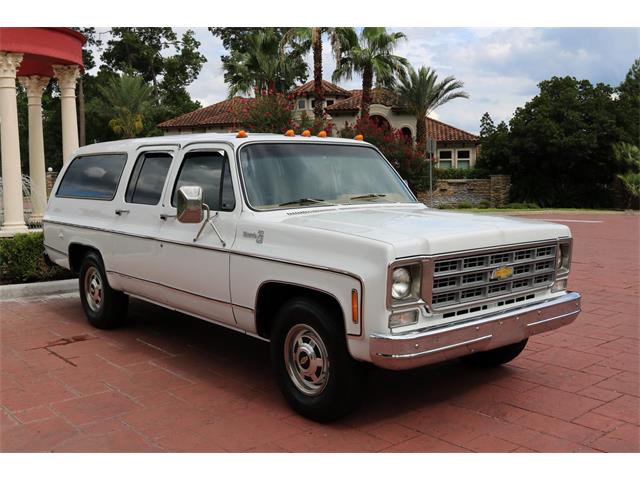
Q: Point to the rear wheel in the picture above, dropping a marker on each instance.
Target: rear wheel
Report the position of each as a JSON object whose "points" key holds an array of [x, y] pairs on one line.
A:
{"points": [[314, 369], [103, 306], [497, 356]]}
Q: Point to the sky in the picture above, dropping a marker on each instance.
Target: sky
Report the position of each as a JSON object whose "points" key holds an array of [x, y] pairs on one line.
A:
{"points": [[500, 67]]}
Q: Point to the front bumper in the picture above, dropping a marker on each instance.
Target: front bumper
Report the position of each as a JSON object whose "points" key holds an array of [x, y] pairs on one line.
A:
{"points": [[436, 344]]}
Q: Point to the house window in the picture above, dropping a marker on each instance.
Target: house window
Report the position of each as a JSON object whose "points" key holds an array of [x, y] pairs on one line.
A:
{"points": [[445, 159], [329, 102], [302, 104], [464, 158]]}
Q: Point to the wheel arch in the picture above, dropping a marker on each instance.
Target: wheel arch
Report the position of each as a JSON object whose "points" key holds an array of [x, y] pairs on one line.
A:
{"points": [[272, 294], [77, 251]]}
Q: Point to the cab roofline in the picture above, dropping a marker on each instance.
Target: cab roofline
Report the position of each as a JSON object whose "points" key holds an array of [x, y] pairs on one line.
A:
{"points": [[183, 140]]}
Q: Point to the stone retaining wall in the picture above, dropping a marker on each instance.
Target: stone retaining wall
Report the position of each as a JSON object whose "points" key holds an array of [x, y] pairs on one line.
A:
{"points": [[449, 193]]}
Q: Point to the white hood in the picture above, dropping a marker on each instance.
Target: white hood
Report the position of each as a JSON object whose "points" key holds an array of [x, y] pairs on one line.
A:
{"points": [[417, 230]]}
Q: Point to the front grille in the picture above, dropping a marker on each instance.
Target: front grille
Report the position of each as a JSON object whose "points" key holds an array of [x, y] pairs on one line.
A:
{"points": [[472, 278]]}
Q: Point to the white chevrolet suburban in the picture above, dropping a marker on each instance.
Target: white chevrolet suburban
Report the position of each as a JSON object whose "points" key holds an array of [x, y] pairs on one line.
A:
{"points": [[314, 244]]}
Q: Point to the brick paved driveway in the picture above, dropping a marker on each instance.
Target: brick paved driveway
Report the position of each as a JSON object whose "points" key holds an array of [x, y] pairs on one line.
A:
{"points": [[171, 383]]}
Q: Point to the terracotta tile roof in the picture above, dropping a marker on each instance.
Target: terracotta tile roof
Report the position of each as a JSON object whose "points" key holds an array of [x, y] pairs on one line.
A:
{"points": [[227, 112], [442, 132], [328, 88], [378, 95]]}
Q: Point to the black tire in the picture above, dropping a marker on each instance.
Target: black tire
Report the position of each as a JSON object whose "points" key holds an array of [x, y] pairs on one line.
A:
{"points": [[105, 310], [339, 384], [497, 356]]}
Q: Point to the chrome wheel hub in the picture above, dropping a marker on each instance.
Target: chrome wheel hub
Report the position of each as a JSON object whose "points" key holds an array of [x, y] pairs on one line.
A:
{"points": [[306, 359], [93, 289]]}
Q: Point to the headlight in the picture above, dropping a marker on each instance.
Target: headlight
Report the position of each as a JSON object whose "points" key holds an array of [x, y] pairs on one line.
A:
{"points": [[401, 283], [563, 259]]}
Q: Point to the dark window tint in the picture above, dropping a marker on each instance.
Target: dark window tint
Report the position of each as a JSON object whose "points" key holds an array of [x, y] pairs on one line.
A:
{"points": [[92, 176], [209, 170], [147, 178]]}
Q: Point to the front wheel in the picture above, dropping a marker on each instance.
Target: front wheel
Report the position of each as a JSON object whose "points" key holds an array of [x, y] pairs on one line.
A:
{"points": [[497, 356], [314, 369], [103, 306]]}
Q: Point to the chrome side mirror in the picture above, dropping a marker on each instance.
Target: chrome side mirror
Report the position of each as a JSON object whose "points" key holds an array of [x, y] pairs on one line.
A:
{"points": [[190, 204]]}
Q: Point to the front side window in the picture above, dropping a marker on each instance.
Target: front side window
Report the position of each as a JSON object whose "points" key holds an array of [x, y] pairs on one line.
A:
{"points": [[93, 177], [147, 178], [210, 171], [281, 175]]}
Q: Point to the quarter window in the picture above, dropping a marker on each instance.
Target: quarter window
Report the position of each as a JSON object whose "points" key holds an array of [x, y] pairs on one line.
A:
{"points": [[210, 171], [147, 179], [93, 177]]}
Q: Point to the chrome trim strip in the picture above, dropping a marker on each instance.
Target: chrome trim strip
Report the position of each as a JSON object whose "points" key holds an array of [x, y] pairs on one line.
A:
{"points": [[177, 289], [542, 322], [437, 350]]}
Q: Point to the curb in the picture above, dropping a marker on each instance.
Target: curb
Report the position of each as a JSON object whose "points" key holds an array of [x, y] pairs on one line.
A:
{"points": [[27, 290]]}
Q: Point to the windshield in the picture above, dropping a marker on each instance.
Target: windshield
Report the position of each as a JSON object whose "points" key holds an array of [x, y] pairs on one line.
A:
{"points": [[279, 175]]}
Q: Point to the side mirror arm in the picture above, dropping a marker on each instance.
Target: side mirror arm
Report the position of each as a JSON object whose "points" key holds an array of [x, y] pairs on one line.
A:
{"points": [[208, 219]]}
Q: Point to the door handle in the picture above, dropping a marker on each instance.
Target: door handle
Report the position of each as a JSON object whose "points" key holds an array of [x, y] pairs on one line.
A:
{"points": [[164, 216], [120, 211]]}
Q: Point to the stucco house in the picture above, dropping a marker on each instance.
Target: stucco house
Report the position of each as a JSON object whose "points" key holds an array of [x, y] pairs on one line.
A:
{"points": [[455, 147]]}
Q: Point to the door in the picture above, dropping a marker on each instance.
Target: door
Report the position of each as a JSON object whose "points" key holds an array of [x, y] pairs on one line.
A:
{"points": [[196, 271], [137, 219]]}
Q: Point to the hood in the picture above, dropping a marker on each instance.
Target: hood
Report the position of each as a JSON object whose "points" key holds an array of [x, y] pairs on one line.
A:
{"points": [[418, 230]]}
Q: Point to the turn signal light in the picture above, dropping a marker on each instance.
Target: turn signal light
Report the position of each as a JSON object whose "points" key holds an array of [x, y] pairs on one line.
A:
{"points": [[359, 137], [290, 133], [241, 134], [354, 306], [306, 133]]}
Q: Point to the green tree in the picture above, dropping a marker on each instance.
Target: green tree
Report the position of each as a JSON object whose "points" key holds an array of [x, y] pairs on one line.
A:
{"points": [[254, 63], [421, 93], [628, 105], [495, 151], [629, 155], [371, 55], [313, 36], [561, 145], [127, 99]]}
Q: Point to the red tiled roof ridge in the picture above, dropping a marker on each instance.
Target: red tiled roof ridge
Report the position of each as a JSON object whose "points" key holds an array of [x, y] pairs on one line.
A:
{"points": [[328, 88]]}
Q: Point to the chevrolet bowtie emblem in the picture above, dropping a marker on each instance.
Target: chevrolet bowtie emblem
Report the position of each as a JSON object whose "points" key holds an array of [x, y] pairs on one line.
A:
{"points": [[502, 273]]}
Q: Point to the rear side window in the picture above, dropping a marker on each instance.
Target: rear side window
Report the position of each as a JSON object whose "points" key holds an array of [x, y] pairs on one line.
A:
{"points": [[147, 178], [93, 176], [209, 170]]}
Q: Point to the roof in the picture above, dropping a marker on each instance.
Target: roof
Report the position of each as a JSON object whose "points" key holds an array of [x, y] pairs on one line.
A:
{"points": [[442, 132], [352, 104], [183, 140], [226, 113], [328, 88]]}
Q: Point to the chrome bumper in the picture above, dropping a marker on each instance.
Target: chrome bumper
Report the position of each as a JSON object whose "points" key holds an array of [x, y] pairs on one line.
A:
{"points": [[426, 346]]}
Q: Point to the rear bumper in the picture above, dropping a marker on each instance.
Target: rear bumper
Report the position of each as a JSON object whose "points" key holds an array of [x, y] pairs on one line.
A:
{"points": [[426, 346]]}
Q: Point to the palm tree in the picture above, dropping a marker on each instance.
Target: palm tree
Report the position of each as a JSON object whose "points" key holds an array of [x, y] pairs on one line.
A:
{"points": [[127, 99], [421, 93], [260, 67], [371, 55], [311, 37]]}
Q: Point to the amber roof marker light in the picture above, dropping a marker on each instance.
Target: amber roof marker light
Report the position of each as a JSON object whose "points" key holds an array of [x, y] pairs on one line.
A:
{"points": [[359, 137], [242, 134], [322, 134], [290, 133], [306, 133]]}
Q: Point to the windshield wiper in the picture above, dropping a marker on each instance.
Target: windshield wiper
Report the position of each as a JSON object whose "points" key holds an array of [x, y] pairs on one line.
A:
{"points": [[302, 201], [369, 195]]}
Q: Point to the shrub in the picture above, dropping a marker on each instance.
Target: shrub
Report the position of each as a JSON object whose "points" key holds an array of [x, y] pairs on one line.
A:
{"points": [[484, 204], [464, 205], [523, 206], [21, 260]]}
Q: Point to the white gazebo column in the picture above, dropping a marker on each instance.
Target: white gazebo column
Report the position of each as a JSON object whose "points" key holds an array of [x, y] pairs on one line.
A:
{"points": [[10, 145], [67, 76], [34, 86]]}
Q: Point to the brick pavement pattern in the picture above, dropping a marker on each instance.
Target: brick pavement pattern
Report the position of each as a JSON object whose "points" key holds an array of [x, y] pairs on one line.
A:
{"points": [[168, 382]]}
